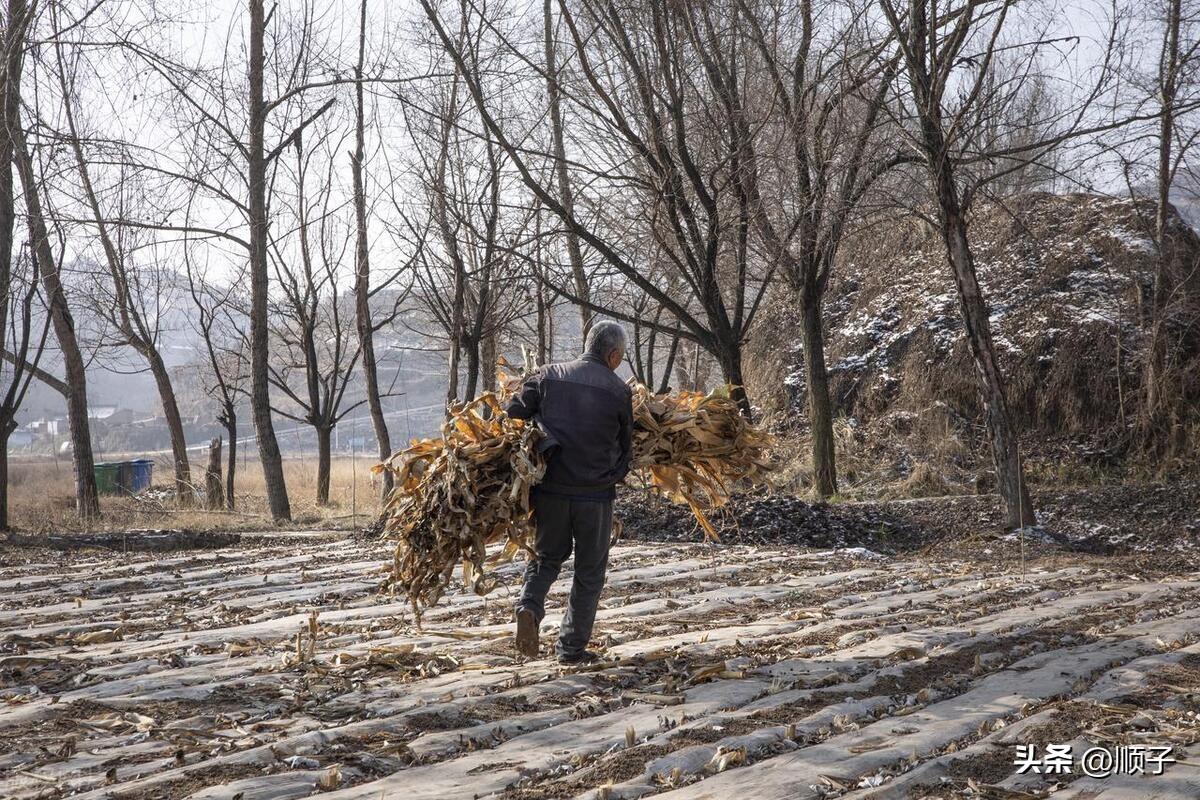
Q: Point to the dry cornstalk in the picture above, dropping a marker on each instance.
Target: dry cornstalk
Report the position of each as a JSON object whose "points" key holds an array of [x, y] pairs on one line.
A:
{"points": [[457, 494]]}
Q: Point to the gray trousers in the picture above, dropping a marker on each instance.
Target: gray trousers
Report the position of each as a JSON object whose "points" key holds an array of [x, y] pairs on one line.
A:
{"points": [[562, 523]]}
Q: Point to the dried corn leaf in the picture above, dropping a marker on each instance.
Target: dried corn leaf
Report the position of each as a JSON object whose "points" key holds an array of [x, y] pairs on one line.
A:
{"points": [[456, 495]]}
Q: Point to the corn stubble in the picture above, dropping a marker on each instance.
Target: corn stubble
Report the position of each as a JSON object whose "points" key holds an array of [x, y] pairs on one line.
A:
{"points": [[469, 489]]}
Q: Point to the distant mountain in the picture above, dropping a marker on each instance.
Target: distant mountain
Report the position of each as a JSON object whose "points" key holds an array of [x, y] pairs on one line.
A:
{"points": [[412, 372]]}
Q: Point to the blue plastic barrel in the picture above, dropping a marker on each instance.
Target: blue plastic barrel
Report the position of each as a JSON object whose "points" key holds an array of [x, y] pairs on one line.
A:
{"points": [[143, 472]]}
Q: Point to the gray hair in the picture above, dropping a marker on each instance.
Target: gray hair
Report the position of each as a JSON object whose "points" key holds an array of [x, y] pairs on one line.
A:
{"points": [[603, 337]]}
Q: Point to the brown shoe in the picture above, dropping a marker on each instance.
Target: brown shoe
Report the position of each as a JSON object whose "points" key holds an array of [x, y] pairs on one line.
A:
{"points": [[527, 633]]}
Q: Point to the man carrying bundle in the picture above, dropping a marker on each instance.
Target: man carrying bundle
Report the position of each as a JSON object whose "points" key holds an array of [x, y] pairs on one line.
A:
{"points": [[586, 413]]}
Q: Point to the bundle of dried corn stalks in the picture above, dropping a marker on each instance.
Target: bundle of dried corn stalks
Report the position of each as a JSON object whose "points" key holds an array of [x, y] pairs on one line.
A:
{"points": [[694, 448], [456, 495]]}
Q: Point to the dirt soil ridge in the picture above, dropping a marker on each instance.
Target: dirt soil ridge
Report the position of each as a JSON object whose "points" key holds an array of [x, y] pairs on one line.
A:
{"points": [[278, 671]]}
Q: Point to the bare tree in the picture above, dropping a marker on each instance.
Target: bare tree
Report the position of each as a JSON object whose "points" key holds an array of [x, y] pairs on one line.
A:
{"points": [[470, 284], [1178, 140], [257, 159], [47, 266], [316, 349], [811, 148], [223, 175], [663, 164], [135, 305], [225, 124], [362, 283], [558, 144], [20, 334], [221, 324], [440, 279], [933, 48]]}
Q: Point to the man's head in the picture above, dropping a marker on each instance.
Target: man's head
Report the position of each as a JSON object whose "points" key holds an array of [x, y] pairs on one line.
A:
{"points": [[606, 341]]}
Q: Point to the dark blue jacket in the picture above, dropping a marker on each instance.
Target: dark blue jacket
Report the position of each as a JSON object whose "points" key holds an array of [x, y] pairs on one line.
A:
{"points": [[586, 412]]}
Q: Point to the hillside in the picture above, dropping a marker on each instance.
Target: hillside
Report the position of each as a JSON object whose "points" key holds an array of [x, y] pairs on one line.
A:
{"points": [[1066, 277]]}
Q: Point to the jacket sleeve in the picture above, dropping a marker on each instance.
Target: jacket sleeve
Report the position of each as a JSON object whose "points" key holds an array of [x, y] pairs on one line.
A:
{"points": [[527, 402], [626, 438]]}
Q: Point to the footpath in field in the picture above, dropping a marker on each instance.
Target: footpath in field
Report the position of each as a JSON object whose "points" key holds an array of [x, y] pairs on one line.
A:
{"points": [[277, 670]]}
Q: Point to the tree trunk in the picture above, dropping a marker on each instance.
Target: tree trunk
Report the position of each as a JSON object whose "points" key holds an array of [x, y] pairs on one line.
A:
{"points": [[1156, 356], [730, 359], [543, 330], [256, 169], [565, 195], [820, 413], [686, 379], [472, 376], [651, 341], [10, 103], [452, 372], [323, 460], [213, 493], [231, 429], [635, 356], [939, 162], [87, 501], [362, 283], [1010, 482], [457, 324], [542, 307], [487, 364], [665, 382], [6, 429], [184, 492], [374, 402]]}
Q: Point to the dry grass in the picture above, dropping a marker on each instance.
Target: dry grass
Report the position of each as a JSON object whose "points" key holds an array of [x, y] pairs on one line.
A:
{"points": [[794, 461], [897, 455], [41, 498], [1071, 348]]}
